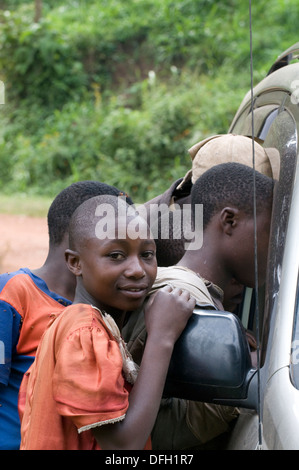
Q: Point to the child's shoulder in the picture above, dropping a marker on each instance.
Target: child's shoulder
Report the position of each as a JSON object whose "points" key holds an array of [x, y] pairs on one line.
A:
{"points": [[80, 327], [77, 317], [14, 277]]}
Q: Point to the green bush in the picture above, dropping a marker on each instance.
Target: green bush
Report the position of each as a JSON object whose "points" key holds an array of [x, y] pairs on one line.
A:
{"points": [[123, 146], [118, 91], [38, 65]]}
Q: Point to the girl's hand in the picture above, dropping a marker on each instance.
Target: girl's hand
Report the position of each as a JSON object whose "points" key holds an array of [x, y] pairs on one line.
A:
{"points": [[168, 311]]}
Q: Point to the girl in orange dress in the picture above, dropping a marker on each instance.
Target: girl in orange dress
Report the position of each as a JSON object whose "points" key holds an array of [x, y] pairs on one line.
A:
{"points": [[83, 390]]}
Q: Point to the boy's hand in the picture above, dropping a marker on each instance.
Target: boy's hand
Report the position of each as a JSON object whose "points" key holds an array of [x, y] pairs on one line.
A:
{"points": [[167, 312]]}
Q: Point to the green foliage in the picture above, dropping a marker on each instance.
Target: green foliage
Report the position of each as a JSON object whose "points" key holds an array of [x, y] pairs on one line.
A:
{"points": [[127, 147], [118, 91], [38, 65]]}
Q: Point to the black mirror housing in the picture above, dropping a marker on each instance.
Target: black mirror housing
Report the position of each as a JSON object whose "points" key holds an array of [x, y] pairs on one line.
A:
{"points": [[211, 360]]}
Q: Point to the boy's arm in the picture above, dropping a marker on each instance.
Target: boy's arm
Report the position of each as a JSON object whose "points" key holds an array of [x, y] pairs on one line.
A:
{"points": [[166, 317]]}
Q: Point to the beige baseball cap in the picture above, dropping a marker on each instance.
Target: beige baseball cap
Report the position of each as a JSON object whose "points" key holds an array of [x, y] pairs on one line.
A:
{"points": [[224, 148]]}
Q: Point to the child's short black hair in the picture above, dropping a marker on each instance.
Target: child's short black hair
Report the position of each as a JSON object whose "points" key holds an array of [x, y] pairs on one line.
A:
{"points": [[67, 201], [231, 184], [85, 218]]}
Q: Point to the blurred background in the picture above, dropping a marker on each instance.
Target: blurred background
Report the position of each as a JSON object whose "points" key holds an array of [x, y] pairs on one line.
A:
{"points": [[119, 90]]}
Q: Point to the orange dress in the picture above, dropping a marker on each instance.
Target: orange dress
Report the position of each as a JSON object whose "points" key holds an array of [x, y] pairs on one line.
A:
{"points": [[75, 383]]}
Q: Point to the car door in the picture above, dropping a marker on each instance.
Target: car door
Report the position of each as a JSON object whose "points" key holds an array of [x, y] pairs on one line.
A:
{"points": [[268, 395], [275, 316]]}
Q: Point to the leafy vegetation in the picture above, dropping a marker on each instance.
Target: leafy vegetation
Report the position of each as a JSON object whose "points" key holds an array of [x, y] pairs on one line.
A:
{"points": [[118, 91]]}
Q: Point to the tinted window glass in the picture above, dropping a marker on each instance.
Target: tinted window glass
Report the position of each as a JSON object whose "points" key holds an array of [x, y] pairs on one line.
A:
{"points": [[275, 128], [283, 136], [263, 117]]}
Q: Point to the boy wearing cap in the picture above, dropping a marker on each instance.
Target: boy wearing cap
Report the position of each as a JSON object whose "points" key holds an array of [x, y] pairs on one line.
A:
{"points": [[214, 150]]}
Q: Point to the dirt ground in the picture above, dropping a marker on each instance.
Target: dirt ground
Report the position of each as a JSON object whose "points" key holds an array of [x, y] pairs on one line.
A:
{"points": [[23, 242]]}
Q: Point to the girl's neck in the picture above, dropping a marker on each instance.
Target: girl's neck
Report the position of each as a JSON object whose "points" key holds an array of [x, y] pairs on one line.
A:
{"points": [[83, 297]]}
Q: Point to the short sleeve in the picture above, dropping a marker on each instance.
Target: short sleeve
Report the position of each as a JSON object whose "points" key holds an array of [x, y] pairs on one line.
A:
{"points": [[88, 384]]}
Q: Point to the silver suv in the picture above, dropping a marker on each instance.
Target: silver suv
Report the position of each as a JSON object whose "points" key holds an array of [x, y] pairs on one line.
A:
{"points": [[269, 395]]}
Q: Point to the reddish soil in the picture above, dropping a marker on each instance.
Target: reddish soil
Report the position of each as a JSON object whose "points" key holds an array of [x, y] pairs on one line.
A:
{"points": [[23, 242]]}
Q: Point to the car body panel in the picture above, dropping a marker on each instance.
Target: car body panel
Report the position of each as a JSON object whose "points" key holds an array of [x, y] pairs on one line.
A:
{"points": [[269, 395], [276, 426], [280, 80], [279, 421], [281, 413], [280, 347], [244, 435]]}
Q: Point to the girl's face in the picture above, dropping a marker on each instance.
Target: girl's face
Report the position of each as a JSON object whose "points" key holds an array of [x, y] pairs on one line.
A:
{"points": [[117, 273]]}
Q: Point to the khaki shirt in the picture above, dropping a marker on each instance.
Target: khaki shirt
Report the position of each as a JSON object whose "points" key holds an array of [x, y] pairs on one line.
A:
{"points": [[181, 424]]}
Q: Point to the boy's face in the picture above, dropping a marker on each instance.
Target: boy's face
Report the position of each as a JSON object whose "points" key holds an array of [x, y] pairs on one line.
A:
{"points": [[242, 258], [118, 272]]}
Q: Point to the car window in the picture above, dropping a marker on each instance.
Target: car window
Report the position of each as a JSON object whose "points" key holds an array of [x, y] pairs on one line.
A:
{"points": [[283, 136], [263, 117], [274, 127]]}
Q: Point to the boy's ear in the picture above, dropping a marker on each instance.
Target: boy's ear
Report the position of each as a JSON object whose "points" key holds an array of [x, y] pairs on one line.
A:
{"points": [[72, 259], [229, 219]]}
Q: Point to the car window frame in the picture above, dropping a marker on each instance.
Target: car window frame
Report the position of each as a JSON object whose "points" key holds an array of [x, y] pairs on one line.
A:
{"points": [[273, 103]]}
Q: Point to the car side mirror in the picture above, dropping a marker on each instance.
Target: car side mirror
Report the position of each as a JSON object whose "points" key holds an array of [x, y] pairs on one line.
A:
{"points": [[211, 361]]}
